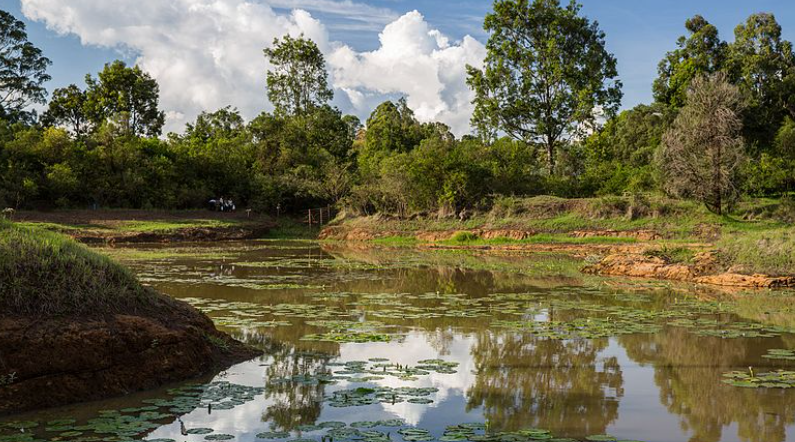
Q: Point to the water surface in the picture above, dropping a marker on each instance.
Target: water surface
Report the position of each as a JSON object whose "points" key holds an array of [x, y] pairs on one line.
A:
{"points": [[447, 338]]}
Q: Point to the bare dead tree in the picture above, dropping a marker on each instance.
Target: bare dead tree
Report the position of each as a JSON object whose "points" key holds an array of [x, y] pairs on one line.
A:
{"points": [[703, 151]]}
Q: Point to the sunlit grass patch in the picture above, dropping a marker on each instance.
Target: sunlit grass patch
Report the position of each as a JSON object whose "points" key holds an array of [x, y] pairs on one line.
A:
{"points": [[465, 238], [171, 225], [771, 252], [42, 272]]}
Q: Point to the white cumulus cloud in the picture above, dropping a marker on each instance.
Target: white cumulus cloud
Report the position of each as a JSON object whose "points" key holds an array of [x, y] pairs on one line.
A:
{"points": [[206, 54]]}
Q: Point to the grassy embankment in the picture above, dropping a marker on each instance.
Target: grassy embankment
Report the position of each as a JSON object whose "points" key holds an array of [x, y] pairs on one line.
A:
{"points": [[132, 221], [110, 223], [43, 273], [757, 237]]}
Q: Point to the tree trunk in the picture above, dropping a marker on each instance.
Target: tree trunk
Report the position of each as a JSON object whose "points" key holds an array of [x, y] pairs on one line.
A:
{"points": [[551, 158], [716, 184]]}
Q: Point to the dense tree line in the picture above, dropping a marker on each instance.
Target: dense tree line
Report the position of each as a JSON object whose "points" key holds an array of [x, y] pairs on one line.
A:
{"points": [[545, 122]]}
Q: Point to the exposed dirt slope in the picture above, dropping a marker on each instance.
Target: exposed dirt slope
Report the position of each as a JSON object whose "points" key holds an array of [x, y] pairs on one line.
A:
{"points": [[703, 270], [47, 362]]}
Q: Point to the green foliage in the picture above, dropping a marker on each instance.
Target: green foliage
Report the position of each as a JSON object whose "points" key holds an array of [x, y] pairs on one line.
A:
{"points": [[759, 63], [23, 70], [546, 70], [461, 237], [391, 128], [100, 147], [619, 157], [298, 82], [124, 97], [68, 108], [700, 53]]}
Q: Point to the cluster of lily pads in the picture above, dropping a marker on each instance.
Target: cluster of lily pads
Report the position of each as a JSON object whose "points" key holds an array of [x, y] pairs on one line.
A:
{"points": [[373, 370], [580, 328], [749, 379], [387, 395], [127, 424], [729, 330], [547, 315], [780, 354], [381, 431]]}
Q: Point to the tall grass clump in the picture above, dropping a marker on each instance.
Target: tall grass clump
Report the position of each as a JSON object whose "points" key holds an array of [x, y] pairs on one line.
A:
{"points": [[45, 273], [770, 252]]}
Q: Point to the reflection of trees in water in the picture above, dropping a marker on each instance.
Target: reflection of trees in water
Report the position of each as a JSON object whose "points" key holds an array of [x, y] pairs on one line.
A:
{"points": [[688, 371], [293, 404], [564, 386], [456, 271]]}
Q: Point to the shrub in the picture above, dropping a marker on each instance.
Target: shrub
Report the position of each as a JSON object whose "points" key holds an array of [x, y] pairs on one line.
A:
{"points": [[464, 237]]}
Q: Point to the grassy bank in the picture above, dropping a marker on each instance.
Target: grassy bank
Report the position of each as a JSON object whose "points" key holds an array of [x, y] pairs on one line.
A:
{"points": [[770, 252], [757, 237], [134, 221], [45, 273]]}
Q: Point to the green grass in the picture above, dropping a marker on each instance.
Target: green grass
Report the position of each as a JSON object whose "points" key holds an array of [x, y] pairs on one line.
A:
{"points": [[770, 252], [672, 255], [45, 273], [58, 227], [542, 238], [169, 226]]}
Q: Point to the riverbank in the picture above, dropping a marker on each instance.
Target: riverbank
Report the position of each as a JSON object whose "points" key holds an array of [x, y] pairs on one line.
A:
{"points": [[75, 327], [754, 247], [145, 226]]}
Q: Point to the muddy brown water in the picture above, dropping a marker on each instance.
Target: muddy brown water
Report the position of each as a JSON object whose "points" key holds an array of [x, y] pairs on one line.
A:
{"points": [[660, 385]]}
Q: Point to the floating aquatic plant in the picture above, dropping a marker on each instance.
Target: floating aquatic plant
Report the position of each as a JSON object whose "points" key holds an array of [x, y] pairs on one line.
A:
{"points": [[774, 379]]}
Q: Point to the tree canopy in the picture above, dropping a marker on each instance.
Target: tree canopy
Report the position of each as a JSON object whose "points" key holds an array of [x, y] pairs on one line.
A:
{"points": [[23, 69], [700, 53], [546, 72], [126, 95], [298, 82]]}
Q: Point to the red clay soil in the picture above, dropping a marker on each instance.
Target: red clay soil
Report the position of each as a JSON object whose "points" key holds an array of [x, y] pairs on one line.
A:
{"points": [[46, 362], [703, 270]]}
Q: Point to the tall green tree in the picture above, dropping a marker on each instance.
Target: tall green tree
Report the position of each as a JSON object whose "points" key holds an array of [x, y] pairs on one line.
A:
{"points": [[126, 95], [759, 62], [68, 108], [391, 128], [546, 71], [298, 82], [700, 53], [23, 69]]}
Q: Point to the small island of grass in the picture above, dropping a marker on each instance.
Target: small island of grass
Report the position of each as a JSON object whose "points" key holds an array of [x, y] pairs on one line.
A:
{"points": [[76, 326]]}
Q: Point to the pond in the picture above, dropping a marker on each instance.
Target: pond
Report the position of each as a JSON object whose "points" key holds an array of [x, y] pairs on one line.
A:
{"points": [[373, 345]]}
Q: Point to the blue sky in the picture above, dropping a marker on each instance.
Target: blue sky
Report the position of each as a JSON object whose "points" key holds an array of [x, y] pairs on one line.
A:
{"points": [[639, 32]]}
